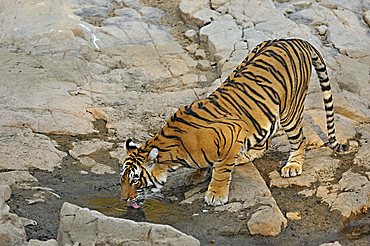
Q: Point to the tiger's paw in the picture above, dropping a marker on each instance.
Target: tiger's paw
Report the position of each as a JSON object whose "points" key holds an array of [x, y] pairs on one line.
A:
{"points": [[214, 199], [291, 170]]}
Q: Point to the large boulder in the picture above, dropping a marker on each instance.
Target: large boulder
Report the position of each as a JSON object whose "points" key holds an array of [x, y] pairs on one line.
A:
{"points": [[87, 227]]}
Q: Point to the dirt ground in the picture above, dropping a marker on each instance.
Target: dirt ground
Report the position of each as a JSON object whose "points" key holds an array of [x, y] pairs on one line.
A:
{"points": [[100, 192]]}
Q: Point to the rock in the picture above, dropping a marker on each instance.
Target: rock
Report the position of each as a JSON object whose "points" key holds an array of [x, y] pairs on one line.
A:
{"points": [[176, 66], [355, 196], [248, 190], [301, 5], [202, 78], [348, 34], [322, 30], [204, 65], [205, 16], [30, 101], [50, 242], [5, 192], [200, 54], [189, 79], [11, 230], [220, 36], [27, 222], [191, 35], [363, 156], [266, 222], [21, 149], [367, 17], [218, 3], [336, 243], [96, 167], [230, 207], [16, 178], [318, 164], [189, 7], [192, 48], [83, 226], [354, 76], [84, 148], [4, 208], [293, 215]]}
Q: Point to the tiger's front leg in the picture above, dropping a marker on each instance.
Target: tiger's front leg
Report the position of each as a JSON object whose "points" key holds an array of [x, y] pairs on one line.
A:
{"points": [[218, 188]]}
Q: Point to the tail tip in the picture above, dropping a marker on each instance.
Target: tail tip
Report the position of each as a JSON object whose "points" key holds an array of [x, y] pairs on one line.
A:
{"points": [[338, 147]]}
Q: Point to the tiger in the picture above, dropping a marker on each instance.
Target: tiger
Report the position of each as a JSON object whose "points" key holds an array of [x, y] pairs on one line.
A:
{"points": [[265, 92]]}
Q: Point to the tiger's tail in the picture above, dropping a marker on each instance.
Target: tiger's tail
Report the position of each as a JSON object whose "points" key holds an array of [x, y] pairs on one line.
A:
{"points": [[320, 67]]}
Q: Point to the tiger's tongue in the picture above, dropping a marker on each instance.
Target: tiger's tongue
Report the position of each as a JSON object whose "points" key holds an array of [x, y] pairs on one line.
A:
{"points": [[133, 205]]}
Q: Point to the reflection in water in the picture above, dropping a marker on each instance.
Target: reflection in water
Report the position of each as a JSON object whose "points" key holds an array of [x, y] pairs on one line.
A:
{"points": [[151, 211]]}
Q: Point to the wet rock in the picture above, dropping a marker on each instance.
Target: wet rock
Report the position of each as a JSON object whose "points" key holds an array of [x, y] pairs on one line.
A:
{"points": [[5, 192], [11, 230], [50, 242], [84, 226]]}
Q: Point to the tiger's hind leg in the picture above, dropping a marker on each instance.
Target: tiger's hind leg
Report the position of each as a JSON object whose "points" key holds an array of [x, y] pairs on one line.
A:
{"points": [[293, 167], [198, 176], [253, 153]]}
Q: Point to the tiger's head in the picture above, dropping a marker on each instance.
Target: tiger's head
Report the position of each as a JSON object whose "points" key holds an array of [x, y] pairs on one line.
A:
{"points": [[137, 179]]}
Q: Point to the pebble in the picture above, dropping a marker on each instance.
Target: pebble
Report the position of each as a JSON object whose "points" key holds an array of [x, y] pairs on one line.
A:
{"points": [[353, 143], [4, 208], [191, 35], [200, 54], [322, 30], [294, 215], [202, 78], [192, 48], [84, 172], [5, 192], [367, 17], [204, 65]]}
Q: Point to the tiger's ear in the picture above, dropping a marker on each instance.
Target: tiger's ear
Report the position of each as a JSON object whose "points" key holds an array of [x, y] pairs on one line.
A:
{"points": [[153, 154], [130, 146]]}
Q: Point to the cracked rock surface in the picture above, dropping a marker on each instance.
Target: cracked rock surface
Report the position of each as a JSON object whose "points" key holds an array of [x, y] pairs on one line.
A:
{"points": [[80, 77]]}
